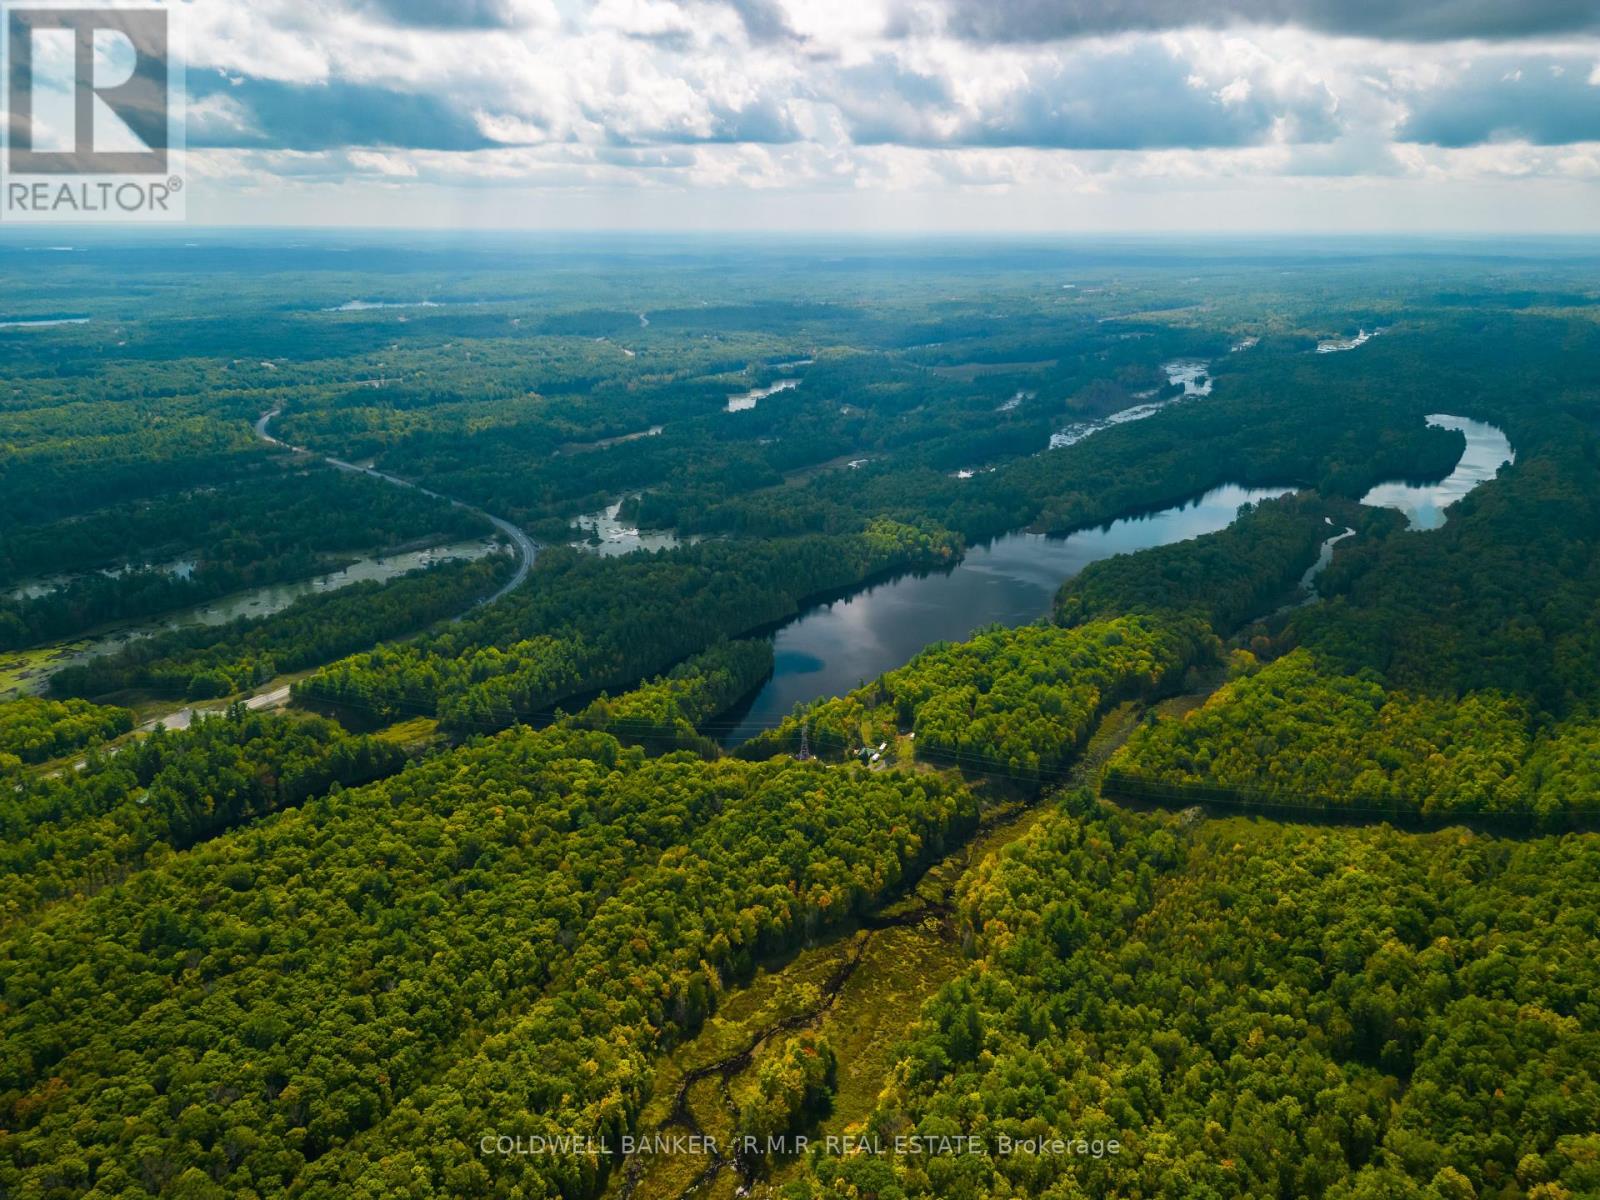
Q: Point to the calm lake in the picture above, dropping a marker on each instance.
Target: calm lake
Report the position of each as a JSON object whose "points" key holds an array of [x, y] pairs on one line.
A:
{"points": [[830, 649], [1424, 504], [835, 647]]}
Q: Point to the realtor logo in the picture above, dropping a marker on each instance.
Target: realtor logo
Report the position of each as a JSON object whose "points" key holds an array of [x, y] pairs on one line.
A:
{"points": [[92, 127]]}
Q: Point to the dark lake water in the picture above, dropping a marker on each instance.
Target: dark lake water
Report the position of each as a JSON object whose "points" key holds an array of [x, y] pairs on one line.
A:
{"points": [[835, 647]]}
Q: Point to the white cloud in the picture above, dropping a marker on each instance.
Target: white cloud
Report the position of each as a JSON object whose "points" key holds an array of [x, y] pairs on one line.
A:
{"points": [[382, 164], [1236, 92], [844, 97]]}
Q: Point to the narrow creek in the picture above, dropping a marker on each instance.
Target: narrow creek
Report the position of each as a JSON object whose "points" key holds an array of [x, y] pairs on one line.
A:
{"points": [[860, 986]]}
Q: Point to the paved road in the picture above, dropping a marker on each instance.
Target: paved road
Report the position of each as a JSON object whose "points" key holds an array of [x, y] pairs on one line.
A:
{"points": [[184, 717], [527, 548]]}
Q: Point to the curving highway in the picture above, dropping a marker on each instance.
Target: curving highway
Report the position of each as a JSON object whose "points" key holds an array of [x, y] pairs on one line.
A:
{"points": [[277, 695], [527, 548]]}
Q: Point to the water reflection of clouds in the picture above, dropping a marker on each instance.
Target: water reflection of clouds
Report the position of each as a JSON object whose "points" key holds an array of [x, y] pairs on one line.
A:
{"points": [[1424, 505], [829, 650], [1009, 581]]}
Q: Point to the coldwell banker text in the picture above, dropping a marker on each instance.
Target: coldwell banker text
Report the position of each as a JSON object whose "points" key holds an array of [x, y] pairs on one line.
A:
{"points": [[95, 98], [745, 1146]]}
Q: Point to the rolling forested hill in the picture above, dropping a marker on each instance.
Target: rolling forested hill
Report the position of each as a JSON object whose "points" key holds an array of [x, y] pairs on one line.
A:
{"points": [[1258, 860]]}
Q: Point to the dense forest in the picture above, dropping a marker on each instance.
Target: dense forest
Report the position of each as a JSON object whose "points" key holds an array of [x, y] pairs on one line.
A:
{"points": [[1505, 596], [550, 903], [34, 730], [664, 713], [287, 526], [1251, 1008], [499, 867], [92, 826], [1296, 734], [583, 624], [276, 513], [1225, 578], [1015, 702], [219, 660]]}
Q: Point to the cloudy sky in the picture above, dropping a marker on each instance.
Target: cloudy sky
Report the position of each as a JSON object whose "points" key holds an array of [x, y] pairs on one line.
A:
{"points": [[994, 115]]}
